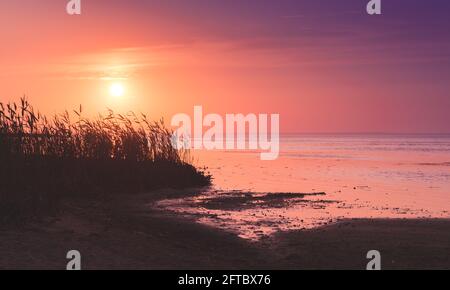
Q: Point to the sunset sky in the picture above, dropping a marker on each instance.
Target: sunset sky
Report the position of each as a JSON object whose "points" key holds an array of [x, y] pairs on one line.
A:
{"points": [[323, 65]]}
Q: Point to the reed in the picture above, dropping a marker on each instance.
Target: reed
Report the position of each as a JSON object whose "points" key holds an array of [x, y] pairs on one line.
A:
{"points": [[43, 160]]}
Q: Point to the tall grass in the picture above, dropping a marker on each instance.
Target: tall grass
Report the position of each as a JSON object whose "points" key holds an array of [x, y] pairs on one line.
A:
{"points": [[42, 159]]}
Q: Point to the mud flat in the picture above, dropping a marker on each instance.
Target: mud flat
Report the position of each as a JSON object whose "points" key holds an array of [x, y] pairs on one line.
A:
{"points": [[403, 244], [127, 232]]}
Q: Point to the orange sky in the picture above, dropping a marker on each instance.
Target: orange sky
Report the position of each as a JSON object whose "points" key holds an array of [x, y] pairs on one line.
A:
{"points": [[323, 67]]}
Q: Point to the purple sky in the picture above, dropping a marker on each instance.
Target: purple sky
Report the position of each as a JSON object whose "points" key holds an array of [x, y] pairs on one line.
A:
{"points": [[324, 65]]}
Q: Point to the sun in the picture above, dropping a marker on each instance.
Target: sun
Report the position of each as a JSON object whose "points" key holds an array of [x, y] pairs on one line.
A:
{"points": [[117, 90]]}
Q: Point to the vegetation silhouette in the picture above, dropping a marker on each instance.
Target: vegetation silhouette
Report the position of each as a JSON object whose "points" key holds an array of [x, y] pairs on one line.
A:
{"points": [[43, 160]]}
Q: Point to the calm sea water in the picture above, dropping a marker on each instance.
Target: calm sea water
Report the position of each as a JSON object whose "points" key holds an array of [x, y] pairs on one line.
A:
{"points": [[363, 176]]}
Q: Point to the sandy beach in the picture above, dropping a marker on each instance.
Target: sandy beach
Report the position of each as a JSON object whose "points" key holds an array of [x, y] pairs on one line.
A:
{"points": [[128, 232]]}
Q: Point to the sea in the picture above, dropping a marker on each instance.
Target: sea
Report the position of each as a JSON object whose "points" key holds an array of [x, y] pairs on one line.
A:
{"points": [[320, 179]]}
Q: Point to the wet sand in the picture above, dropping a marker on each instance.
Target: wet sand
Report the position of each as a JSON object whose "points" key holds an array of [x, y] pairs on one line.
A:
{"points": [[403, 244], [126, 232]]}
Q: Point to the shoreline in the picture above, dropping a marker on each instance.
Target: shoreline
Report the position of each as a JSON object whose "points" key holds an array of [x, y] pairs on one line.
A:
{"points": [[403, 244], [125, 232]]}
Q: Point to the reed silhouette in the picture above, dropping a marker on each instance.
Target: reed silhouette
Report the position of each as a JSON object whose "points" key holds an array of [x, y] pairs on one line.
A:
{"points": [[43, 160]]}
